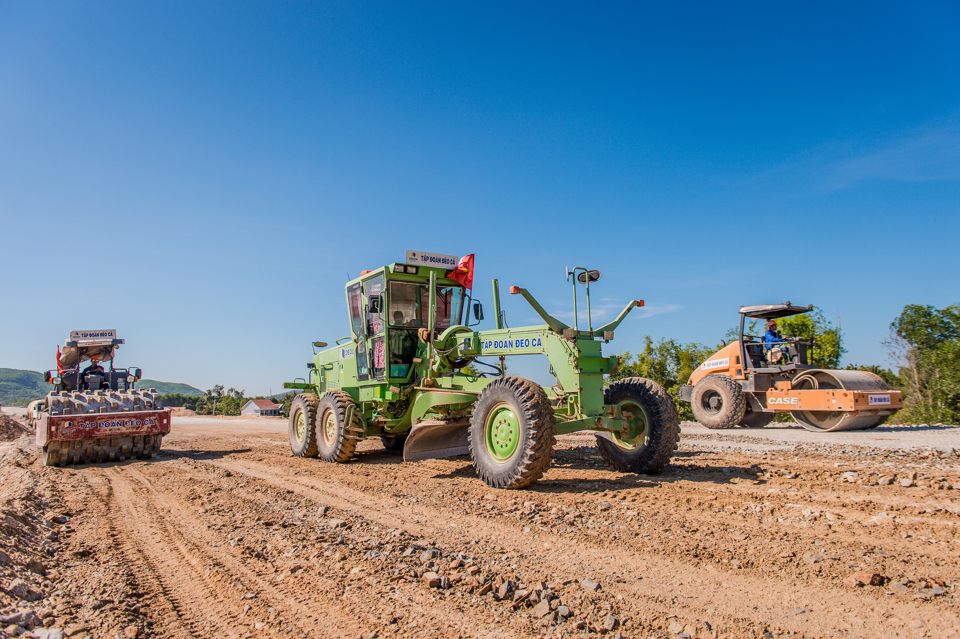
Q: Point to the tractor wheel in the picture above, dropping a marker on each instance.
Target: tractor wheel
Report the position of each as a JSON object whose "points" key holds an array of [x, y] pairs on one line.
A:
{"points": [[300, 426], [337, 440], [394, 444], [718, 402], [756, 419], [656, 431], [512, 433]]}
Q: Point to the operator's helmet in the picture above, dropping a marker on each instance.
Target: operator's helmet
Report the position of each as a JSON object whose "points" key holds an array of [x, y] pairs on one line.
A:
{"points": [[771, 323]]}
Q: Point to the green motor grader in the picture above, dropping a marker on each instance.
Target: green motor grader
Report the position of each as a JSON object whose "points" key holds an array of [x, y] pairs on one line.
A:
{"points": [[409, 373]]}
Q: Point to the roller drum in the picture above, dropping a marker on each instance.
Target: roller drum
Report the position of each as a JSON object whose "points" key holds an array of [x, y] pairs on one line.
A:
{"points": [[832, 421]]}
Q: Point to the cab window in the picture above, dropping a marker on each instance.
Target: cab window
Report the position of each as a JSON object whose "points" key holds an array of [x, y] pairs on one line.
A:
{"points": [[410, 305]]}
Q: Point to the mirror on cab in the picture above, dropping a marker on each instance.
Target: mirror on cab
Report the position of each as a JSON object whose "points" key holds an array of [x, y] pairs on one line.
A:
{"points": [[478, 311], [134, 372], [373, 304]]}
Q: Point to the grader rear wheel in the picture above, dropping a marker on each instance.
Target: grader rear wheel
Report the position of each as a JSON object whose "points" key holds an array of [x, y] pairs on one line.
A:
{"points": [[300, 426], [656, 427], [393, 443], [512, 433], [336, 438]]}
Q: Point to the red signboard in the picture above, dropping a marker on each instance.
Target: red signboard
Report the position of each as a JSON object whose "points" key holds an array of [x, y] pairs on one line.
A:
{"points": [[96, 425]]}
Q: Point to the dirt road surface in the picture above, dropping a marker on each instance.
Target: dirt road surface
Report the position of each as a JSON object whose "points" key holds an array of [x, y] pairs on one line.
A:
{"points": [[755, 533]]}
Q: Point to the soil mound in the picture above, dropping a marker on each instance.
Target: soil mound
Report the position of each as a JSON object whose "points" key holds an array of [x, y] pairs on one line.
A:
{"points": [[183, 412], [11, 429]]}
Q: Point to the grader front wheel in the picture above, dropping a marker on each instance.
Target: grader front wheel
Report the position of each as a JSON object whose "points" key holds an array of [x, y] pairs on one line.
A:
{"points": [[655, 432], [512, 433]]}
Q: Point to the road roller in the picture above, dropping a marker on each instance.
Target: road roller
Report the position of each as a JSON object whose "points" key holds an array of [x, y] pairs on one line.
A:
{"points": [[748, 381]]}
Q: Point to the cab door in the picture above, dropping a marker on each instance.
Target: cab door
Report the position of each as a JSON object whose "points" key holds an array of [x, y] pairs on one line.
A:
{"points": [[375, 327]]}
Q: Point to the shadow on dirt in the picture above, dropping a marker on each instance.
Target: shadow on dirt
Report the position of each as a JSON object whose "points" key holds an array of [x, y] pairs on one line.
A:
{"points": [[201, 455], [587, 459]]}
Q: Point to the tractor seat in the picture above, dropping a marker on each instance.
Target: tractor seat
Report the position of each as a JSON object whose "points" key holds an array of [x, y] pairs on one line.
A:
{"points": [[756, 354]]}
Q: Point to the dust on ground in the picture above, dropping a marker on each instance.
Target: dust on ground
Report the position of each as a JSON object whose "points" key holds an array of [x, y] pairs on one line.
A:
{"points": [[225, 534]]}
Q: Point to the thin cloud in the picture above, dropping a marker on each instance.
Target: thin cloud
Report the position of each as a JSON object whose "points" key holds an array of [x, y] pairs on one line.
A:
{"points": [[927, 157], [930, 154], [605, 310]]}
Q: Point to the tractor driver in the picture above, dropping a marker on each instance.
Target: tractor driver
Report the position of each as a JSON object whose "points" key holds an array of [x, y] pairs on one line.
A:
{"points": [[774, 343], [93, 370]]}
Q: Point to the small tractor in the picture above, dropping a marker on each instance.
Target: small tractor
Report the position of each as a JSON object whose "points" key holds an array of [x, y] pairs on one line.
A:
{"points": [[409, 373], [749, 381], [96, 415]]}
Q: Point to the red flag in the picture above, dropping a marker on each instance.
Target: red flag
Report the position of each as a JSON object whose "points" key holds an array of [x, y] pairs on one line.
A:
{"points": [[59, 368], [463, 272]]}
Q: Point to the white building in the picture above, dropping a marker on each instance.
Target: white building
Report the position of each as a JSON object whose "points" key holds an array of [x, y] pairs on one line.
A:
{"points": [[260, 408]]}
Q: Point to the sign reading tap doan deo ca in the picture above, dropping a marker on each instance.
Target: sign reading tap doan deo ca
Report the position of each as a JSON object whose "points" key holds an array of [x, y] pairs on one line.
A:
{"points": [[431, 259], [97, 335]]}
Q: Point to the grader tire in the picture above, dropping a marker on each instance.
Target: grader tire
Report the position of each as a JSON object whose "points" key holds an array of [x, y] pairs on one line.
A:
{"points": [[336, 440], [718, 402], [512, 433], [756, 419], [394, 443], [651, 451], [301, 426]]}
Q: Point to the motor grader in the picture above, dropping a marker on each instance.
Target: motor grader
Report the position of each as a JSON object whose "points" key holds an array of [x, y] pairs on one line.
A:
{"points": [[96, 414], [409, 372], [750, 380]]}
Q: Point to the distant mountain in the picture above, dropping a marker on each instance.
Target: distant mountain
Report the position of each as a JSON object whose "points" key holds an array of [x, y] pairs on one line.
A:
{"points": [[170, 387], [19, 388]]}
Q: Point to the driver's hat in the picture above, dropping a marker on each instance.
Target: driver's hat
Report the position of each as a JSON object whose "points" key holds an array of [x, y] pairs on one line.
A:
{"points": [[771, 322]]}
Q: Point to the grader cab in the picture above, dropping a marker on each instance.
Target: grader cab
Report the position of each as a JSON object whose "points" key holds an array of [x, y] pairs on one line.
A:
{"points": [[410, 373]]}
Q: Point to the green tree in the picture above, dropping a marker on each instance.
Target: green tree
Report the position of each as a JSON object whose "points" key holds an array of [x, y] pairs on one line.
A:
{"points": [[815, 327], [285, 403], [180, 400], [669, 363], [887, 375], [925, 343]]}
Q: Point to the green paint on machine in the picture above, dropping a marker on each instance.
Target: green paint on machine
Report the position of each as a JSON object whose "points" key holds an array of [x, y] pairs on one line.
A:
{"points": [[404, 374]]}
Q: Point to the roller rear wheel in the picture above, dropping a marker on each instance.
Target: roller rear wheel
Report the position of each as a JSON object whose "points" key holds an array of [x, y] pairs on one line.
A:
{"points": [[718, 402], [756, 419]]}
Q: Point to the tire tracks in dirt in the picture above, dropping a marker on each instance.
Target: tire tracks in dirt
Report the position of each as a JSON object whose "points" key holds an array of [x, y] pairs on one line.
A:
{"points": [[190, 575], [676, 586]]}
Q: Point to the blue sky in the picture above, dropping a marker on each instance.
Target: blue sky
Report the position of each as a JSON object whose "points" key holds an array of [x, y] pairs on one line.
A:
{"points": [[203, 177]]}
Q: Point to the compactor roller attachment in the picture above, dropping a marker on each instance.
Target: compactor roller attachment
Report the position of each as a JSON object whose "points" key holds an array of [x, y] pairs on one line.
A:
{"points": [[832, 421]]}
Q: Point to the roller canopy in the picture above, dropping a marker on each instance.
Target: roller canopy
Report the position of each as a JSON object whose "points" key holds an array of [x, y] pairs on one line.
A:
{"points": [[85, 345], [773, 311]]}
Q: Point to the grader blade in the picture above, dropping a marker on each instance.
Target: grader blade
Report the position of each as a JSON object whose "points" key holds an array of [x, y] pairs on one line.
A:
{"points": [[433, 439]]}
